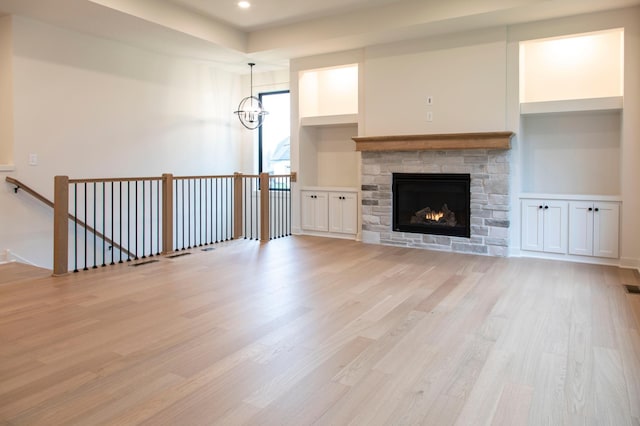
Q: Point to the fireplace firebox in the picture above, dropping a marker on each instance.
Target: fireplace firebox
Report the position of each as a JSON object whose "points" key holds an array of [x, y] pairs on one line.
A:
{"points": [[432, 203]]}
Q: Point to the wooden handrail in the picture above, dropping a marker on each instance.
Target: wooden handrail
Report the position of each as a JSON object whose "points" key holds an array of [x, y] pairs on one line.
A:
{"points": [[28, 190], [124, 179], [43, 199], [203, 177]]}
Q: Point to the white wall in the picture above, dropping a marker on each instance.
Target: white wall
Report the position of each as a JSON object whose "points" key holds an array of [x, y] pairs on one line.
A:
{"points": [[6, 99], [464, 73], [90, 107], [572, 153]]}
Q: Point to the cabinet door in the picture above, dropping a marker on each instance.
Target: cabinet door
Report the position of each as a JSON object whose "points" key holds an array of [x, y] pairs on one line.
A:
{"points": [[555, 227], [322, 212], [532, 222], [308, 215], [606, 223], [581, 231], [314, 211], [350, 213], [343, 212]]}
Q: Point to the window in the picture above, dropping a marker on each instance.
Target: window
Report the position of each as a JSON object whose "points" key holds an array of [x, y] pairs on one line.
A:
{"points": [[274, 134]]}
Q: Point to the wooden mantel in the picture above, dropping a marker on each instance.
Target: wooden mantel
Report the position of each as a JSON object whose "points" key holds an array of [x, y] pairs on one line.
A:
{"points": [[483, 140]]}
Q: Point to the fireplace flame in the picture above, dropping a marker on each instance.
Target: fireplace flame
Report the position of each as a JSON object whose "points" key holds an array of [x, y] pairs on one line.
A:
{"points": [[435, 216]]}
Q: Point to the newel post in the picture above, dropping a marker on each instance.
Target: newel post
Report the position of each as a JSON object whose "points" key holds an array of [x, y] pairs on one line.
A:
{"points": [[61, 225], [167, 213], [237, 205], [264, 207]]}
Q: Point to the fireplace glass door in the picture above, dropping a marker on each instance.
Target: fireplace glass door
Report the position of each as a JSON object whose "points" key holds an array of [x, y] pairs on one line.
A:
{"points": [[432, 203]]}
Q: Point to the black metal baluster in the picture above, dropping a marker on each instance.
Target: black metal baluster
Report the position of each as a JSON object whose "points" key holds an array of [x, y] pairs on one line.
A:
{"points": [[183, 221], [143, 218], [280, 207], [223, 210], [120, 212], [289, 204], [113, 237], [128, 221], [206, 210], [75, 226], [231, 216], [95, 226], [200, 211], [244, 207], [85, 227], [150, 218], [226, 211], [104, 220], [215, 218], [230, 209], [136, 222], [251, 207], [158, 250], [280, 224], [272, 207], [189, 211], [211, 214], [175, 219]]}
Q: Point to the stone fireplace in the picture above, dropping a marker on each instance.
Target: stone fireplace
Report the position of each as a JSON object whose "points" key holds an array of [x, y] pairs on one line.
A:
{"points": [[484, 157]]}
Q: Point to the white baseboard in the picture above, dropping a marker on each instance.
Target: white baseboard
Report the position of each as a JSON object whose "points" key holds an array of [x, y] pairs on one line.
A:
{"points": [[7, 256], [630, 263]]}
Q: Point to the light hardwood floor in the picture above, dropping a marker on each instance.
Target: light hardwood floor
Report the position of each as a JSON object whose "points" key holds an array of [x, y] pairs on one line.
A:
{"points": [[309, 330]]}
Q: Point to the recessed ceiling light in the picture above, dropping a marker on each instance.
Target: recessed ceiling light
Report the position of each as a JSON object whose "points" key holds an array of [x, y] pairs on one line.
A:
{"points": [[244, 4]]}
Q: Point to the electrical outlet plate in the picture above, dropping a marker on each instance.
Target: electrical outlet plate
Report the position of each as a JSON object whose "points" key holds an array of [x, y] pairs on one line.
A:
{"points": [[429, 116]]}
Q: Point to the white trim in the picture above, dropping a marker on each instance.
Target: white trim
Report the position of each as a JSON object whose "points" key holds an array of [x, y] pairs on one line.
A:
{"points": [[570, 197], [612, 103]]}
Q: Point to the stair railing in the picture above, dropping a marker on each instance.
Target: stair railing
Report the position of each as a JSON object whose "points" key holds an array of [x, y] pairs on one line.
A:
{"points": [[146, 217]]}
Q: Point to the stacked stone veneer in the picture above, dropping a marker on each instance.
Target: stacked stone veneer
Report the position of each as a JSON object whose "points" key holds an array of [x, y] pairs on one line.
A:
{"points": [[489, 170]]}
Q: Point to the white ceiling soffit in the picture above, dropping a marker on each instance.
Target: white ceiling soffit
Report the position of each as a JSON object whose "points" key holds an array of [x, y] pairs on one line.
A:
{"points": [[185, 28]]}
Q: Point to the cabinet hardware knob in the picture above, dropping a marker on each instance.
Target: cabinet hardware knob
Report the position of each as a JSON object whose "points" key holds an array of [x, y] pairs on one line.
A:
{"points": [[590, 209], [546, 207], [597, 209], [539, 207]]}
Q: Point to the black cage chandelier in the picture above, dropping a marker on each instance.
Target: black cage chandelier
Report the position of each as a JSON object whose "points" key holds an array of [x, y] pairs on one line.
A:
{"points": [[250, 111]]}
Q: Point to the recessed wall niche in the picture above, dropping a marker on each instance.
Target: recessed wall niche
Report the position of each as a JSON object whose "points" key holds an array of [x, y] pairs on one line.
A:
{"points": [[571, 103], [580, 66], [329, 91]]}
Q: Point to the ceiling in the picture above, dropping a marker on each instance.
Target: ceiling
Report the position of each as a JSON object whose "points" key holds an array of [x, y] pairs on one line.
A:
{"points": [[270, 13], [273, 31]]}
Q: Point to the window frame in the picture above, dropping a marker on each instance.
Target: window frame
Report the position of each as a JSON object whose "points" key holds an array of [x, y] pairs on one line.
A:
{"points": [[260, 96]]}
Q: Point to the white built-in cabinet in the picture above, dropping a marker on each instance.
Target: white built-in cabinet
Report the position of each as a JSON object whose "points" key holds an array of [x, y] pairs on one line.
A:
{"points": [[315, 211], [343, 212], [594, 228], [329, 212], [544, 226], [570, 136], [329, 165], [573, 226]]}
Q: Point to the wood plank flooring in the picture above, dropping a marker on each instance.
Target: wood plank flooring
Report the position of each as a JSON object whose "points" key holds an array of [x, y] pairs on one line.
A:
{"points": [[307, 330]]}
